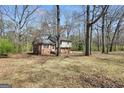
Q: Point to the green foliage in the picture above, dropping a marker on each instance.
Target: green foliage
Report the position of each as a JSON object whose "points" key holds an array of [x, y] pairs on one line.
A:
{"points": [[77, 44], [121, 48], [27, 47], [118, 48], [94, 47], [6, 46]]}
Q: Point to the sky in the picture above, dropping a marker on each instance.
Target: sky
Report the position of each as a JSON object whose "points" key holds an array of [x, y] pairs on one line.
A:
{"points": [[64, 9], [42, 10]]}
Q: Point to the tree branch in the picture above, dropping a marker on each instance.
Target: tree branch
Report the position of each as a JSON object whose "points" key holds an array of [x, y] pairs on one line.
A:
{"points": [[104, 10]]}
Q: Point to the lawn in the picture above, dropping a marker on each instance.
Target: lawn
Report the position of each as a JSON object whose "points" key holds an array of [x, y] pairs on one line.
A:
{"points": [[98, 70]]}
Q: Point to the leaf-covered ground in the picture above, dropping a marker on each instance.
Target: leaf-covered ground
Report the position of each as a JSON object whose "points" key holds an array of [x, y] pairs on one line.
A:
{"points": [[98, 70]]}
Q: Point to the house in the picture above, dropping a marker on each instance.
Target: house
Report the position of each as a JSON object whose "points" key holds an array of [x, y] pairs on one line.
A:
{"points": [[46, 45], [65, 46], [43, 46]]}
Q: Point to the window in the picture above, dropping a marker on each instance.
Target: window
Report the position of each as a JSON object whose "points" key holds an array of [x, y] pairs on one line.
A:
{"points": [[46, 46]]}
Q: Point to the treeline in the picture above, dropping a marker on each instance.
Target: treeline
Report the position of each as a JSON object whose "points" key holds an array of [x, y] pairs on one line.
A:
{"points": [[91, 27]]}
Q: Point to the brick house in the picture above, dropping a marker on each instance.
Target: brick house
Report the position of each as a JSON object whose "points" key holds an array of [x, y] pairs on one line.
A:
{"points": [[65, 46], [46, 45]]}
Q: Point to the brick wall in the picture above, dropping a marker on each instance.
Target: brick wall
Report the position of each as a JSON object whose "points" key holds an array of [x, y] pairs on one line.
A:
{"points": [[65, 51], [47, 50]]}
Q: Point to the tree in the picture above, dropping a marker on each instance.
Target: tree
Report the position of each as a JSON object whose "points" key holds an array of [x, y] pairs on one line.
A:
{"points": [[98, 38], [116, 30], [108, 35], [89, 24], [19, 18], [87, 41], [58, 30], [1, 24], [68, 24], [103, 33], [91, 30], [111, 17]]}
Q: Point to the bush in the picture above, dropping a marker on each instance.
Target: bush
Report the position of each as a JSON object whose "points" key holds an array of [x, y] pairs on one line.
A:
{"points": [[27, 47], [6, 46]]}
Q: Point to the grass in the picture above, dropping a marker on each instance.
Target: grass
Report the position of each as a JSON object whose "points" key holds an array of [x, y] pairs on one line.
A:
{"points": [[98, 70]]}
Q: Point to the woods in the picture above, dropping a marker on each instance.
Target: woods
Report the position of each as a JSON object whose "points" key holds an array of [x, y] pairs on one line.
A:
{"points": [[90, 28], [62, 46]]}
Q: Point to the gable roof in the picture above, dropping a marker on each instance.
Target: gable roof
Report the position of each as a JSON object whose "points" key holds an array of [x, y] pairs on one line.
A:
{"points": [[43, 40], [54, 39], [48, 39]]}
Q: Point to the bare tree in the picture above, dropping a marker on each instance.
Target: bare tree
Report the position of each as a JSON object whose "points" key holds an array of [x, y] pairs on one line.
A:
{"points": [[111, 17], [58, 30], [1, 24], [68, 25], [89, 24], [91, 30], [98, 37], [103, 33], [108, 35], [116, 30], [19, 18]]}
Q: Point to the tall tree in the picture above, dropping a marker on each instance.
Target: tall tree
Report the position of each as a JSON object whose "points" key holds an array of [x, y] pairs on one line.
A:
{"points": [[58, 30], [116, 30], [91, 30], [103, 33], [87, 40], [1, 24], [89, 24], [19, 18]]}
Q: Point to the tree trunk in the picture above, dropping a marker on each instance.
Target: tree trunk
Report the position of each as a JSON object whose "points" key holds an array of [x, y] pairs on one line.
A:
{"points": [[108, 40], [112, 42], [19, 44], [103, 34], [91, 39], [1, 25], [58, 30], [98, 40], [87, 41]]}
